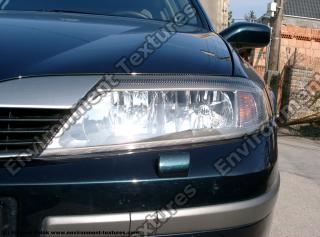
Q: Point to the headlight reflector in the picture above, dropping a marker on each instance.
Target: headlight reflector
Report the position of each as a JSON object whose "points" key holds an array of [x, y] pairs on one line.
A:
{"points": [[166, 112]]}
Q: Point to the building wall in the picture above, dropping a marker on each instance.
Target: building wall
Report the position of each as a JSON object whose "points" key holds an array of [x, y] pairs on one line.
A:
{"points": [[260, 60], [218, 11], [300, 67], [302, 22]]}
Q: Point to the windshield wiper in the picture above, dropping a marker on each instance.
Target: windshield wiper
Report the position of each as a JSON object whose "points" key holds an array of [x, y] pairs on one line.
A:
{"points": [[67, 11]]}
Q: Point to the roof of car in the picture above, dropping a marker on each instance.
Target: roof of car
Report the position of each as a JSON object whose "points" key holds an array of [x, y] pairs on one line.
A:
{"points": [[302, 8]]}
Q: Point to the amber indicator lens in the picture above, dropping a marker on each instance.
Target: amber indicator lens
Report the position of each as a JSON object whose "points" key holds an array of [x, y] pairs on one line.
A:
{"points": [[248, 112]]}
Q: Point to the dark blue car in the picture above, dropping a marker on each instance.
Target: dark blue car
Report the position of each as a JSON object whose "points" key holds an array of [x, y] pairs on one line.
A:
{"points": [[132, 118]]}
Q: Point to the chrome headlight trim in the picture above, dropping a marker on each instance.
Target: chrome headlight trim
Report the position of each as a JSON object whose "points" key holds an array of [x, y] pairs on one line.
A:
{"points": [[136, 147]]}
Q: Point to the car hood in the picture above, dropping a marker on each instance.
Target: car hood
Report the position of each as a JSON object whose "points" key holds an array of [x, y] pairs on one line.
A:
{"points": [[62, 44]]}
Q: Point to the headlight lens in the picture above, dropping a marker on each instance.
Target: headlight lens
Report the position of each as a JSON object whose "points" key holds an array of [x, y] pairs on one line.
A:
{"points": [[142, 113]]}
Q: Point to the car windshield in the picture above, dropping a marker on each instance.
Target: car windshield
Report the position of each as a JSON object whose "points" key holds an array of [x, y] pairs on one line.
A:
{"points": [[159, 10]]}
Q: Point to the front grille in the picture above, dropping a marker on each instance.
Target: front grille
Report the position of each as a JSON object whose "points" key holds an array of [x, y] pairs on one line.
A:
{"points": [[25, 130]]}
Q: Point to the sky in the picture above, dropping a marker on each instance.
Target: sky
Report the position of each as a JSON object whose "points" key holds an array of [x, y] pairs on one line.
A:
{"points": [[242, 7]]}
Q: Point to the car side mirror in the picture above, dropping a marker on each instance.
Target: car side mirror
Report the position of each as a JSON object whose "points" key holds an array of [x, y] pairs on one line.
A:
{"points": [[245, 35]]}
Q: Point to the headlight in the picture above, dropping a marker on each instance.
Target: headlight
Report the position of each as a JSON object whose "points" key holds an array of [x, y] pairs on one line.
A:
{"points": [[145, 112]]}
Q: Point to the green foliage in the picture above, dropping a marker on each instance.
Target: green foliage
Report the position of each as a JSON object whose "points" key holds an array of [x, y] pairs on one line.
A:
{"points": [[251, 17], [230, 18]]}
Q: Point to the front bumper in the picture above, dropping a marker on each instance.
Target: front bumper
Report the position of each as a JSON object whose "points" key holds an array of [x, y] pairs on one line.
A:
{"points": [[124, 187], [260, 229], [167, 222]]}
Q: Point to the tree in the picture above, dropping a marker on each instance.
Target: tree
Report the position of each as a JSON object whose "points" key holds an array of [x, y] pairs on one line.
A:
{"points": [[230, 18], [251, 17]]}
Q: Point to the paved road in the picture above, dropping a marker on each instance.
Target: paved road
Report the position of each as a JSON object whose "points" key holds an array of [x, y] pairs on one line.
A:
{"points": [[298, 209]]}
